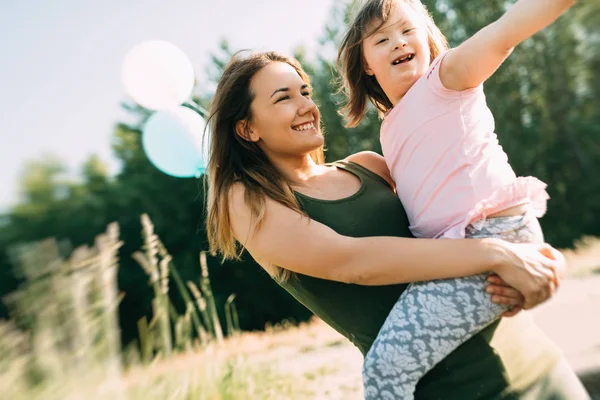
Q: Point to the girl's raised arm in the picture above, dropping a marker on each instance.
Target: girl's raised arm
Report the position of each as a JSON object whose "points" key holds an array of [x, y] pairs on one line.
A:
{"points": [[474, 61]]}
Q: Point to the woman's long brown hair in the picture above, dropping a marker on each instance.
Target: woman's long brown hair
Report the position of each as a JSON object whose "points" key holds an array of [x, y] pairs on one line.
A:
{"points": [[236, 160]]}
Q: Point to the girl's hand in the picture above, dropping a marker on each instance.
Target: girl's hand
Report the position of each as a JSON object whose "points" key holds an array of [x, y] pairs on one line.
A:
{"points": [[502, 293]]}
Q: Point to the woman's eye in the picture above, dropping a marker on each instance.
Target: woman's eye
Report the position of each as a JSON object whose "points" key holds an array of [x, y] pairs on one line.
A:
{"points": [[307, 94], [282, 98], [408, 30]]}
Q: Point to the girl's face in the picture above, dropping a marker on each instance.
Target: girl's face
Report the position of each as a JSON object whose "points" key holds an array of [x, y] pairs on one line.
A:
{"points": [[397, 54], [285, 120]]}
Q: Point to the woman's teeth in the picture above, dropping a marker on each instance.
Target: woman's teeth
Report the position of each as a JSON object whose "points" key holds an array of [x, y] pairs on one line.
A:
{"points": [[304, 127]]}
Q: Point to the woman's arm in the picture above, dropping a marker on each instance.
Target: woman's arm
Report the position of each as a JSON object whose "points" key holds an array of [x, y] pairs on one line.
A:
{"points": [[296, 243], [474, 61]]}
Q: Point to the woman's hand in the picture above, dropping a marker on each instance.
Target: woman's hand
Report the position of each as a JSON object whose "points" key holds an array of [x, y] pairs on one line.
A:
{"points": [[504, 294], [535, 270]]}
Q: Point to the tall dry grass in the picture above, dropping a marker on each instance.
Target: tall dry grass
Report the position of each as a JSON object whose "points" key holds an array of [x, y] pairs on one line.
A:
{"points": [[63, 339]]}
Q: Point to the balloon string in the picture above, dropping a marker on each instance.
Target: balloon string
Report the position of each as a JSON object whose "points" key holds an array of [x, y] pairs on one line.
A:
{"points": [[200, 169], [196, 107]]}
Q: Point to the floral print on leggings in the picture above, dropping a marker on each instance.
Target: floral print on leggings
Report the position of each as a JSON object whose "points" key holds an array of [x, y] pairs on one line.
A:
{"points": [[431, 319]]}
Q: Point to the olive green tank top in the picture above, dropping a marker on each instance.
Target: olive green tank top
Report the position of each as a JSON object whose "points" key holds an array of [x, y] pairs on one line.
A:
{"points": [[504, 358]]}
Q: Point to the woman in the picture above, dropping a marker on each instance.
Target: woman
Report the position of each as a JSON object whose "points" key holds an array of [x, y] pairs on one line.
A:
{"points": [[336, 236]]}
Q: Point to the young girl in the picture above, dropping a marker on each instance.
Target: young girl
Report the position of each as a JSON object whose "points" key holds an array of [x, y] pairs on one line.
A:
{"points": [[451, 174]]}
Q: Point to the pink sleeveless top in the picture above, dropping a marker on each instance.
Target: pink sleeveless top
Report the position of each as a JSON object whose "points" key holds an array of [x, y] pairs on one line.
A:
{"points": [[450, 171]]}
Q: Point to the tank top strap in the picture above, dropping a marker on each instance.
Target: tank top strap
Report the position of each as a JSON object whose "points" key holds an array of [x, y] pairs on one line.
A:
{"points": [[363, 173]]}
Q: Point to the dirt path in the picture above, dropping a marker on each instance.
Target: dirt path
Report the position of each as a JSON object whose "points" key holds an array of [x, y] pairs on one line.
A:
{"points": [[572, 320], [331, 369]]}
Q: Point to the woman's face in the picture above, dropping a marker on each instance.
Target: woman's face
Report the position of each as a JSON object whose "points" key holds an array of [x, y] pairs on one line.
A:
{"points": [[285, 121]]}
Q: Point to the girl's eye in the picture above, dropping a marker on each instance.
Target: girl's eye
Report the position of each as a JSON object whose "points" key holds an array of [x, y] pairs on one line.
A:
{"points": [[408, 30], [380, 41], [307, 94]]}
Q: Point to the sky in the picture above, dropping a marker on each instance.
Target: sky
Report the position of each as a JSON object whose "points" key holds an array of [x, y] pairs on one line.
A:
{"points": [[60, 62]]}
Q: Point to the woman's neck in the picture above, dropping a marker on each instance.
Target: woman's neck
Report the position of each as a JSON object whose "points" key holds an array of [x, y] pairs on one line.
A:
{"points": [[298, 171]]}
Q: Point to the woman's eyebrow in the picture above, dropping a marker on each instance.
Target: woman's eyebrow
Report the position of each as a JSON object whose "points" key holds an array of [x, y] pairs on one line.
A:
{"points": [[285, 89]]}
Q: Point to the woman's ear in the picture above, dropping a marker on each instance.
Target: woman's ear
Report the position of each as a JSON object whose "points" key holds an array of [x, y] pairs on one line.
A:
{"points": [[245, 131]]}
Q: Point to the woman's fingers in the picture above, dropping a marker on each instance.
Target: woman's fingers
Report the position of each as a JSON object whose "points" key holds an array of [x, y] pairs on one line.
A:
{"points": [[505, 294], [559, 264], [507, 301], [547, 273], [502, 293], [535, 272], [542, 289], [546, 251], [496, 280], [512, 312]]}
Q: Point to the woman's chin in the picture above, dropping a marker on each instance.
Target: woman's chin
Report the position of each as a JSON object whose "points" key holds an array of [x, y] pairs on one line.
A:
{"points": [[318, 140], [308, 146]]}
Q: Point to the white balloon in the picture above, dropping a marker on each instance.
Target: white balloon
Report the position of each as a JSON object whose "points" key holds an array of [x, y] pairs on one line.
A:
{"points": [[157, 75]]}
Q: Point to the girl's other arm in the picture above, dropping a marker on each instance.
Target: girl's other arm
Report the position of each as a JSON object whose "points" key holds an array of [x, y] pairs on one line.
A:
{"points": [[474, 61]]}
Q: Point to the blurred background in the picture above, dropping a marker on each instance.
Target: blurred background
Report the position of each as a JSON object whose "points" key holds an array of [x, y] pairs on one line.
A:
{"points": [[79, 197]]}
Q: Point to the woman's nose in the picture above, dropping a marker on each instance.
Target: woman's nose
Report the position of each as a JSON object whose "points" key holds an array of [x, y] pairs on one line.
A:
{"points": [[307, 106]]}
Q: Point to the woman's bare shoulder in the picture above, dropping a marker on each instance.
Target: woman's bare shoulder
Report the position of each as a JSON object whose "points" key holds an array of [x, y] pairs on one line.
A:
{"points": [[374, 162]]}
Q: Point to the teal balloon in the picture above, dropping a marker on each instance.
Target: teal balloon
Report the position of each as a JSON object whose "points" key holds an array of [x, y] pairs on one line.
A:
{"points": [[173, 142]]}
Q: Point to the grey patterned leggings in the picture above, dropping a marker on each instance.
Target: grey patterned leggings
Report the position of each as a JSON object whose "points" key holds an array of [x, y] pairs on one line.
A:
{"points": [[431, 319]]}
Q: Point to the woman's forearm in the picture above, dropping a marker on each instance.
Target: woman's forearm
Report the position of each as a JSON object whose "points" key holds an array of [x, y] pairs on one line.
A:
{"points": [[391, 260], [289, 240]]}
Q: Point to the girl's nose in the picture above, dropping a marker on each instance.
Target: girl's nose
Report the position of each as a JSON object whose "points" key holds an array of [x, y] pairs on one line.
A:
{"points": [[399, 42]]}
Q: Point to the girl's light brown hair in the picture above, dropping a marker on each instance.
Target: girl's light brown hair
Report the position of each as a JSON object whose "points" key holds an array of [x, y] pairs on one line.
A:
{"points": [[356, 84], [235, 160]]}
